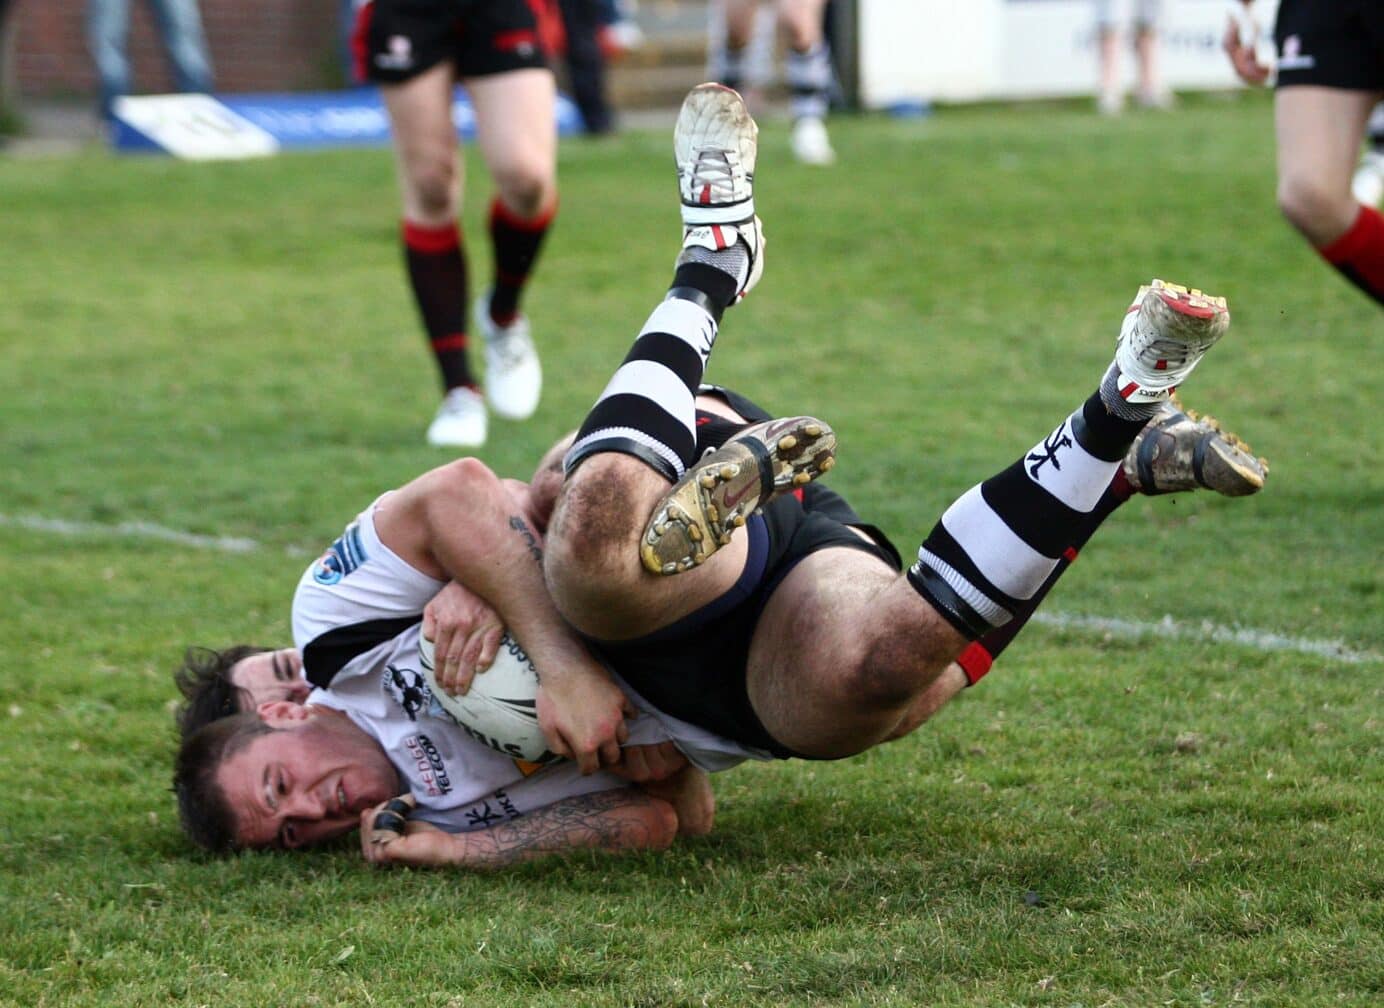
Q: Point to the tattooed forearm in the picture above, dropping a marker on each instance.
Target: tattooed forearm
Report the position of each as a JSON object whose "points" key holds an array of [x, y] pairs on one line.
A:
{"points": [[622, 819], [530, 540]]}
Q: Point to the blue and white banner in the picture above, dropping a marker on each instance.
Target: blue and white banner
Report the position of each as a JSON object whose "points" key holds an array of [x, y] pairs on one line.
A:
{"points": [[206, 127]]}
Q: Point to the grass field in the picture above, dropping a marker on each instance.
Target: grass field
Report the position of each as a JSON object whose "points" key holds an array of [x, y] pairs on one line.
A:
{"points": [[1124, 813]]}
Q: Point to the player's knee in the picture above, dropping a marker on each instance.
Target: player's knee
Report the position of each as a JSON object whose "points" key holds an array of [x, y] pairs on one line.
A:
{"points": [[1313, 208], [799, 28], [526, 188], [594, 515], [432, 187], [883, 674], [591, 557]]}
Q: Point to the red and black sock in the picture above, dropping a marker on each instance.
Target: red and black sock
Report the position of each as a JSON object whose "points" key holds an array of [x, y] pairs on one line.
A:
{"points": [[516, 242], [1359, 253], [437, 271]]}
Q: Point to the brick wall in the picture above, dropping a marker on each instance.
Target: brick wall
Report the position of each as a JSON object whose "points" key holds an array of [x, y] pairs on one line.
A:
{"points": [[256, 45]]}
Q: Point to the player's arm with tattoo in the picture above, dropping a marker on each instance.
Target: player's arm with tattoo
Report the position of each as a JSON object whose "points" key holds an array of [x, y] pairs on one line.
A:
{"points": [[615, 820], [460, 521]]}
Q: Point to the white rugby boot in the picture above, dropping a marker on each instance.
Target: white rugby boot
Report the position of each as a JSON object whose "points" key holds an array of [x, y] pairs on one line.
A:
{"points": [[1165, 334], [810, 142], [461, 421], [715, 143], [513, 376]]}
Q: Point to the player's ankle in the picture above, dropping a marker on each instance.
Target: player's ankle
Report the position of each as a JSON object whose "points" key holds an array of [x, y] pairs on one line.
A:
{"points": [[717, 284]]}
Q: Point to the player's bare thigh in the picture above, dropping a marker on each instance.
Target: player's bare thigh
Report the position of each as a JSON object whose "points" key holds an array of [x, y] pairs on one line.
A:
{"points": [[595, 529], [842, 652], [592, 562], [425, 145], [1319, 132], [516, 132]]}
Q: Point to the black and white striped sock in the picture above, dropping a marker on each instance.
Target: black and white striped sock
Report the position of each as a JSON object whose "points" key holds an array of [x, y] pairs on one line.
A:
{"points": [[998, 543], [648, 409], [727, 65], [808, 75]]}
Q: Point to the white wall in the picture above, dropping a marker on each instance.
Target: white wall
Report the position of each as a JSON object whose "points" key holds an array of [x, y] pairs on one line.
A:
{"points": [[925, 49], [960, 50]]}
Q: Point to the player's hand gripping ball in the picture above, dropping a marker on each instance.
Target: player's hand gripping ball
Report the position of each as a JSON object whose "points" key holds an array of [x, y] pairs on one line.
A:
{"points": [[501, 707]]}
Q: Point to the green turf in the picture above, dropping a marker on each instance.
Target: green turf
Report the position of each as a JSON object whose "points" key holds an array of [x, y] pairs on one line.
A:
{"points": [[229, 350]]}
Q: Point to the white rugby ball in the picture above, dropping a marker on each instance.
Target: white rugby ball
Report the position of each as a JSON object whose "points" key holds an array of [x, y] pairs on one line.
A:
{"points": [[501, 707]]}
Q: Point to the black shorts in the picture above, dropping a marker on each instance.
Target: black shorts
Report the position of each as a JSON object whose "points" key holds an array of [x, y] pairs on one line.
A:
{"points": [[396, 40], [1331, 43], [695, 669]]}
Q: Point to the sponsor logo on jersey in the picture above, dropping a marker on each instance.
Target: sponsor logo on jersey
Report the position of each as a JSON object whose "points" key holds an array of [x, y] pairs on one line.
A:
{"points": [[1293, 58], [408, 689], [399, 55], [343, 557], [429, 765]]}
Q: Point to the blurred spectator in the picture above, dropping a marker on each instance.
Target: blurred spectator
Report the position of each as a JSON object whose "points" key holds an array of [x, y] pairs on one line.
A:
{"points": [[582, 21], [807, 66], [180, 25], [619, 32], [4, 61], [1145, 17]]}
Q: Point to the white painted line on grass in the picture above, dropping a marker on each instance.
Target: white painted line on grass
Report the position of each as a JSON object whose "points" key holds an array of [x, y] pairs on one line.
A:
{"points": [[129, 530], [1256, 640], [1249, 637]]}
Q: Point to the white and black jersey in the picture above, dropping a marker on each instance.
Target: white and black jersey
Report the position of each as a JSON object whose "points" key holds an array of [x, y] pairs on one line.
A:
{"points": [[459, 783], [357, 617]]}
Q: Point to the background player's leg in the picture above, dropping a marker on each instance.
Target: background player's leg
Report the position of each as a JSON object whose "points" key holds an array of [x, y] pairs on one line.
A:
{"points": [[429, 173], [516, 132], [1319, 131]]}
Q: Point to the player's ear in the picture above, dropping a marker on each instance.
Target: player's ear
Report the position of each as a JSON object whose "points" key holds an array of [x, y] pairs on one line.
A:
{"points": [[280, 713]]}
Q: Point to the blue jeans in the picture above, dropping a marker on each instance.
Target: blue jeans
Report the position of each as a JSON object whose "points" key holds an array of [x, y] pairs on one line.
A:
{"points": [[180, 25]]}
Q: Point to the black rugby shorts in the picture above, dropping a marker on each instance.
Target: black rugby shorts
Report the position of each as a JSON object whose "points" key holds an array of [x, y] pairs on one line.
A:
{"points": [[395, 40], [1331, 43]]}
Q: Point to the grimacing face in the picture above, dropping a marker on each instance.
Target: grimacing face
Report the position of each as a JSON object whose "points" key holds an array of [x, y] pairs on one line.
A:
{"points": [[269, 676], [308, 781]]}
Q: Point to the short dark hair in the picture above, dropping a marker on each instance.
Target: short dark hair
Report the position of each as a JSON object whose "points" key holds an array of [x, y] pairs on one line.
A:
{"points": [[206, 816], [205, 683]]}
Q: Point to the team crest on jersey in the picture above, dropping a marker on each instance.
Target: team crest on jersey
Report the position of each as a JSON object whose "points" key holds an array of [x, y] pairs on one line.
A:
{"points": [[344, 556], [409, 690]]}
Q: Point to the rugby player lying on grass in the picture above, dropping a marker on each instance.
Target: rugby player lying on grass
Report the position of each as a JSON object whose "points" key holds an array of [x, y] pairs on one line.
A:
{"points": [[287, 775]]}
